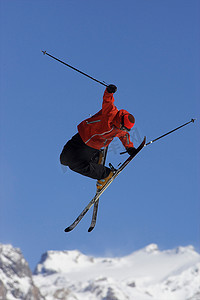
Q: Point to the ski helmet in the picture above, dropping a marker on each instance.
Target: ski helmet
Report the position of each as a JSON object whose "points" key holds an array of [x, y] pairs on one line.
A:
{"points": [[128, 121]]}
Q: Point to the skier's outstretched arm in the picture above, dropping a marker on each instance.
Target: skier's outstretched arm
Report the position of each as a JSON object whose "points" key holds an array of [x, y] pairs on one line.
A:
{"points": [[108, 99]]}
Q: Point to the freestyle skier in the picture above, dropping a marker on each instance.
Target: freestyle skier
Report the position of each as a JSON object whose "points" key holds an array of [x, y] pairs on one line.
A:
{"points": [[83, 154]]}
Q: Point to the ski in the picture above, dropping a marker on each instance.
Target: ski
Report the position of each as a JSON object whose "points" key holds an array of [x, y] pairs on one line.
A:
{"points": [[94, 216], [99, 193], [96, 204]]}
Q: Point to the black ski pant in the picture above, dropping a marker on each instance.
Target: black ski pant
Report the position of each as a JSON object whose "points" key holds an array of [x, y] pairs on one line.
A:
{"points": [[83, 159]]}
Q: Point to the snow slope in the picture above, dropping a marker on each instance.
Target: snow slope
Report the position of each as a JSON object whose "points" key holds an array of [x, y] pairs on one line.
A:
{"points": [[148, 274]]}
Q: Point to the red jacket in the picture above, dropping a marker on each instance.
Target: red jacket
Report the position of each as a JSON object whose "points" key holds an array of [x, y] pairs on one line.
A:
{"points": [[100, 129]]}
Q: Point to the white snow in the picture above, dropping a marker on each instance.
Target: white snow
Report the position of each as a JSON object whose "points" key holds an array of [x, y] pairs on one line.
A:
{"points": [[143, 275], [15, 276], [147, 274]]}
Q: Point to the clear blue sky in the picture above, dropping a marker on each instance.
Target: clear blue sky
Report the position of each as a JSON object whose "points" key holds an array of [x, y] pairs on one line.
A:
{"points": [[150, 50]]}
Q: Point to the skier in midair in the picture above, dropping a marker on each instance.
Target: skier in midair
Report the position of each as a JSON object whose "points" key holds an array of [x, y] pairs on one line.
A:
{"points": [[83, 154]]}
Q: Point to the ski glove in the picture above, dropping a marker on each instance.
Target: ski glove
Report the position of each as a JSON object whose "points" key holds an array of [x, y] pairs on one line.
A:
{"points": [[111, 88], [131, 150]]}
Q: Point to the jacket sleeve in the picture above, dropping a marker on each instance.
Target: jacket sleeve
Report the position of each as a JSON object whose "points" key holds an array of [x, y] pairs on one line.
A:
{"points": [[108, 103], [125, 139]]}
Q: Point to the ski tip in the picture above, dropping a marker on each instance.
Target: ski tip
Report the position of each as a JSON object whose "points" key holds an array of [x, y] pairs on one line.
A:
{"points": [[90, 229], [44, 52], [144, 141], [193, 120], [68, 229]]}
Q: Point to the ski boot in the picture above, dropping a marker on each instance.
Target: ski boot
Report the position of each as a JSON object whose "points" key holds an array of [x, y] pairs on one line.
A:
{"points": [[100, 161], [101, 182]]}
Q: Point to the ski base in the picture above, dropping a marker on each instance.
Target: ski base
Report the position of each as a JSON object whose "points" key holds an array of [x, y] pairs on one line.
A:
{"points": [[82, 214], [94, 216], [99, 193]]}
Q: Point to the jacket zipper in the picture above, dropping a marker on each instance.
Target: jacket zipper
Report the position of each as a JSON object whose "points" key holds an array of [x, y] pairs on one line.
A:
{"points": [[90, 122]]}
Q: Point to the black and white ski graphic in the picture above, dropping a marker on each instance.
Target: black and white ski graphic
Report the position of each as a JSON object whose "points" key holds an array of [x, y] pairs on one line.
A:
{"points": [[94, 216], [99, 193]]}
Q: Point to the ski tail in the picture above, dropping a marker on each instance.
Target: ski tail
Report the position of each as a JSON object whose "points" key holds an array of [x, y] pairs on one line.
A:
{"points": [[96, 204]]}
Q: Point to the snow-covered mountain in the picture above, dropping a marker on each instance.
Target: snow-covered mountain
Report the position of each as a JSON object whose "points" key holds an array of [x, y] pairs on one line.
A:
{"points": [[16, 280], [147, 274]]}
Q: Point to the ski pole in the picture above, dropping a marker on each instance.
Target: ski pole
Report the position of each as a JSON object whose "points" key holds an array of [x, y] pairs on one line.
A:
{"points": [[160, 137], [45, 52]]}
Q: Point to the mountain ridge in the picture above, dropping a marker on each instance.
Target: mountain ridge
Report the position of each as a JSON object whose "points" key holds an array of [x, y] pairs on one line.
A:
{"points": [[146, 274]]}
